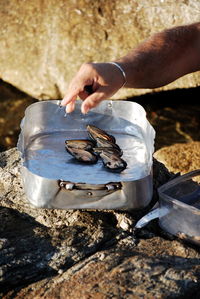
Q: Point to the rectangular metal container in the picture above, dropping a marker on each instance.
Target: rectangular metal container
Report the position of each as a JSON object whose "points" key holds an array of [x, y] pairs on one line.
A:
{"points": [[53, 179]]}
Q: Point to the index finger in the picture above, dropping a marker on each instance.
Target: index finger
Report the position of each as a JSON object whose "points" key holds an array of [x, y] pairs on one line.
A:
{"points": [[71, 95]]}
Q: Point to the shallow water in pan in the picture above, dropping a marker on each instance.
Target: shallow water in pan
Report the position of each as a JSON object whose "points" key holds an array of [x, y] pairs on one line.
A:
{"points": [[46, 156]]}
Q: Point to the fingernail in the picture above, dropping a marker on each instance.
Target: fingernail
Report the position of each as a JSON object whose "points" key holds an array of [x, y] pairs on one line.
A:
{"points": [[68, 109], [85, 109]]}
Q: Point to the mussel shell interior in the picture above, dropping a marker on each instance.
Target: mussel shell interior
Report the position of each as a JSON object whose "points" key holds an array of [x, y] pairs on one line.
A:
{"points": [[112, 162], [80, 144], [95, 132], [82, 155]]}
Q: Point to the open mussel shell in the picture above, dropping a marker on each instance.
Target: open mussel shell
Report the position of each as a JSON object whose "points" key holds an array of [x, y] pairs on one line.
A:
{"points": [[112, 161], [82, 155], [95, 133], [110, 150], [84, 144], [107, 144]]}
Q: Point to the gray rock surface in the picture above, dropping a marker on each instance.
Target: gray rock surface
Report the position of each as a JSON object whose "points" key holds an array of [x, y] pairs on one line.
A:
{"points": [[43, 43], [87, 254]]}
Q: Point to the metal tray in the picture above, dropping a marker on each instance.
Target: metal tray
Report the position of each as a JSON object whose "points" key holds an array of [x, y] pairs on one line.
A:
{"points": [[51, 177]]}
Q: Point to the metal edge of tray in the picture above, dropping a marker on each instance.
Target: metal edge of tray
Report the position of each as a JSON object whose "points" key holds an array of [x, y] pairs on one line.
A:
{"points": [[46, 193]]}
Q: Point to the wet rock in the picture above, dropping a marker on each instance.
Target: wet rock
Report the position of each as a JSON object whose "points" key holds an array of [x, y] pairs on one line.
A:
{"points": [[87, 254], [43, 43]]}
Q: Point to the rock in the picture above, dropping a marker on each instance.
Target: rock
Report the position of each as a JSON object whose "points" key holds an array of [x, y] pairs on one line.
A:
{"points": [[43, 43], [12, 106], [126, 270], [87, 254], [180, 157], [174, 118]]}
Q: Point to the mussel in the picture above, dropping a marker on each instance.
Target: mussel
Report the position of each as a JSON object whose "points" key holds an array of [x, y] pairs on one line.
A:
{"points": [[84, 144], [110, 150], [82, 155], [112, 161], [95, 133], [103, 143]]}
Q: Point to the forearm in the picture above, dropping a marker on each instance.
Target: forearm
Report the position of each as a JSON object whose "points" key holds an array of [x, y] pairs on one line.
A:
{"points": [[163, 58]]}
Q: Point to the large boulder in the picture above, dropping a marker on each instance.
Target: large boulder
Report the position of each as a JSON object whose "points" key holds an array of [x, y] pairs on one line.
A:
{"points": [[180, 157], [87, 254], [43, 43]]}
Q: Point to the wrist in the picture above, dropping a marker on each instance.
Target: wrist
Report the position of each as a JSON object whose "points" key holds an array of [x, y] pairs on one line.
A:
{"points": [[128, 70], [121, 70]]}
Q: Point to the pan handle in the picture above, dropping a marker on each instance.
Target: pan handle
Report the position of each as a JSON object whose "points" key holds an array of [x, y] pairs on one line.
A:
{"points": [[153, 214], [113, 186]]}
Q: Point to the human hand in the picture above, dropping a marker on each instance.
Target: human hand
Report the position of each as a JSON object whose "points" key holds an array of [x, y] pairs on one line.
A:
{"points": [[102, 79]]}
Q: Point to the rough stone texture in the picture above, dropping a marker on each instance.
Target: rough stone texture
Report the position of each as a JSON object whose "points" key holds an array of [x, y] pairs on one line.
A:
{"points": [[12, 106], [174, 114], [130, 269], [43, 43], [87, 254], [180, 157]]}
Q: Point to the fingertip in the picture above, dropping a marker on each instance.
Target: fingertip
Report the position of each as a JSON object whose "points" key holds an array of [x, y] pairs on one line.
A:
{"points": [[70, 107], [67, 109], [64, 102], [85, 108], [91, 102], [67, 99]]}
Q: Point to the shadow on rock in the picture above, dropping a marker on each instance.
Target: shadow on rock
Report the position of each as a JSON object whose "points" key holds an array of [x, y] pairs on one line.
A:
{"points": [[25, 250], [174, 114]]}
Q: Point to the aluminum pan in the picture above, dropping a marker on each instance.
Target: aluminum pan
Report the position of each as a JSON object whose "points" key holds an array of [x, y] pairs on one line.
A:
{"points": [[45, 193], [45, 161], [46, 129]]}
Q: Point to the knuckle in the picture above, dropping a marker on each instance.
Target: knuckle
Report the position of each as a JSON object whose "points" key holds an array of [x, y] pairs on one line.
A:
{"points": [[87, 66]]}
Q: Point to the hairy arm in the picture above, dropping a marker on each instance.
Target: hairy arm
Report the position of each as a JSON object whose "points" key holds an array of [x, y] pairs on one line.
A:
{"points": [[157, 61], [163, 58]]}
